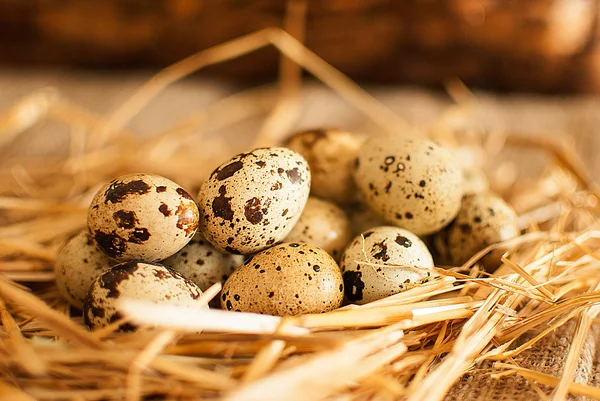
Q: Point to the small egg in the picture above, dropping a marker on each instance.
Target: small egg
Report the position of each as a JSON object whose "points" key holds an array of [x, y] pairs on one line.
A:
{"points": [[78, 264], [253, 200], [202, 263], [484, 219], [324, 225], [287, 279], [142, 217], [384, 261], [411, 183], [140, 281], [330, 154]]}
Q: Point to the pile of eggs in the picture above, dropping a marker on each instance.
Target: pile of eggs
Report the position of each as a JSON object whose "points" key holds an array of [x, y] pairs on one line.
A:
{"points": [[332, 216]]}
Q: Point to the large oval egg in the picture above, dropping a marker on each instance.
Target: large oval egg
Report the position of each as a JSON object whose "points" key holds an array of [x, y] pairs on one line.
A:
{"points": [[411, 183], [287, 279], [140, 281], [384, 261], [78, 264], [142, 217], [253, 200]]}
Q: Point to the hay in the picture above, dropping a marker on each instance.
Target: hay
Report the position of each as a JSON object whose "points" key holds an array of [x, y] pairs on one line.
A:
{"points": [[412, 345]]}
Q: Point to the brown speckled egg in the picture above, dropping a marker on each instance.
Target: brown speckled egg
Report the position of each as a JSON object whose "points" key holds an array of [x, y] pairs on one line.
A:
{"points": [[140, 281], [253, 200], [287, 279], [78, 264], [202, 263], [411, 183], [330, 154], [322, 224], [484, 219], [142, 217], [382, 262]]}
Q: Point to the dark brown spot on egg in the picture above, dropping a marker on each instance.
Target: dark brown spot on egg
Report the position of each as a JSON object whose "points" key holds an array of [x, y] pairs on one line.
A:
{"points": [[117, 191], [229, 305], [260, 164], [164, 209], [276, 186], [379, 251], [408, 215], [317, 268], [422, 183], [229, 170], [271, 294], [183, 193], [161, 188], [403, 241], [252, 211], [97, 311], [236, 297], [294, 175], [110, 243], [221, 206], [111, 279], [139, 235], [354, 285], [465, 228], [477, 219], [388, 187]]}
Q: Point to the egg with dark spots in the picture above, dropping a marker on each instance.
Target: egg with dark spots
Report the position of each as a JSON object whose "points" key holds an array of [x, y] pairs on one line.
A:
{"points": [[285, 280], [78, 264], [253, 200], [139, 281], [202, 263], [330, 153], [484, 219], [410, 183], [384, 261], [142, 217], [322, 224]]}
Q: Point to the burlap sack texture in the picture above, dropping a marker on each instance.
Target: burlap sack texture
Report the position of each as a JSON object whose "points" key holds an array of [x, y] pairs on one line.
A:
{"points": [[525, 114]]}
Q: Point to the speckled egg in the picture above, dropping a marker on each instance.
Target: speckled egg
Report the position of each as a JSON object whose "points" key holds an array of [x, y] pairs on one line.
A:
{"points": [[140, 281], [253, 200], [78, 264], [142, 217], [484, 219], [322, 224], [202, 263], [382, 262], [287, 279], [411, 183], [330, 154]]}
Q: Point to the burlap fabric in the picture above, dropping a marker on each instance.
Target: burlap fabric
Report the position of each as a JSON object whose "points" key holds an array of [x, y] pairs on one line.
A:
{"points": [[525, 114]]}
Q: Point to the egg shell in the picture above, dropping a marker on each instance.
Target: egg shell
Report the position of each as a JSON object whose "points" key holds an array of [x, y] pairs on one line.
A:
{"points": [[253, 200], [410, 183], [324, 225], [384, 261], [139, 281], [78, 264], [484, 219], [287, 279], [202, 263], [142, 217], [330, 154]]}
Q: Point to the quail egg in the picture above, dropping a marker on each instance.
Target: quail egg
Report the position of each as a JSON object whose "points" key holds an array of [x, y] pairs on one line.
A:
{"points": [[330, 154], [384, 261], [484, 219], [142, 217], [411, 183], [201, 263], [253, 200], [287, 279], [78, 264], [140, 281], [322, 224]]}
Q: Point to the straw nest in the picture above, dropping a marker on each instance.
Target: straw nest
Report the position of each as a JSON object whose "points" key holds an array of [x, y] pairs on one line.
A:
{"points": [[412, 345]]}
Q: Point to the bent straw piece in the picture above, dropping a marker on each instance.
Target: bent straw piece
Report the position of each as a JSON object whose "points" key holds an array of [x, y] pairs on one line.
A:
{"points": [[55, 320], [193, 320], [549, 380], [325, 374], [24, 354], [529, 278]]}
